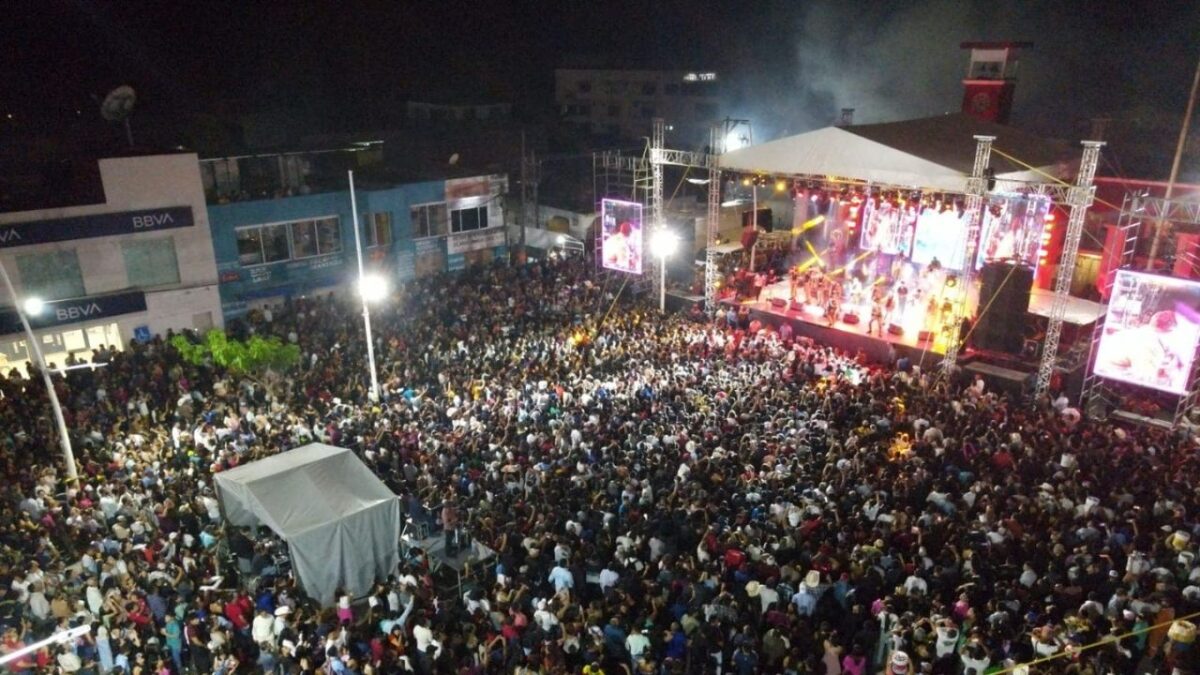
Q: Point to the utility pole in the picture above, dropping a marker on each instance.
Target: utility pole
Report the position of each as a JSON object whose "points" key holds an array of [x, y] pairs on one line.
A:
{"points": [[1160, 227], [524, 201]]}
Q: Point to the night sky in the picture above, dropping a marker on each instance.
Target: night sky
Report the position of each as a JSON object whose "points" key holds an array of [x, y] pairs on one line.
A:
{"points": [[789, 66]]}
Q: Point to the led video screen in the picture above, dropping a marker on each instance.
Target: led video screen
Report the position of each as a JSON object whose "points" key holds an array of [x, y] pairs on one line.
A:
{"points": [[1150, 332], [888, 227], [621, 242], [941, 235], [1012, 230]]}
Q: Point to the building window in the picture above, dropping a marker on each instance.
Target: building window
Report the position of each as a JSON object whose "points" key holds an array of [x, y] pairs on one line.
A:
{"points": [[466, 220], [53, 275], [277, 242], [378, 229], [428, 220], [151, 262], [649, 89], [584, 86]]}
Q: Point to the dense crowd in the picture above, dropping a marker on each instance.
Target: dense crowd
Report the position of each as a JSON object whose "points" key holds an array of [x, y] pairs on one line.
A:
{"points": [[660, 495]]}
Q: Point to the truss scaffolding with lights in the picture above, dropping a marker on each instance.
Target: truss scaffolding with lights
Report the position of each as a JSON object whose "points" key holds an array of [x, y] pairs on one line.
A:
{"points": [[1100, 397]]}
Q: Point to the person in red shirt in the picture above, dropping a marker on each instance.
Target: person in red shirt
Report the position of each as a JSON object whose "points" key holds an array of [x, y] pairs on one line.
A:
{"points": [[11, 642]]}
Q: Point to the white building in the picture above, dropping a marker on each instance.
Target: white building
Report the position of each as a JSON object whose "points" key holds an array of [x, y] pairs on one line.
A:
{"points": [[128, 268]]}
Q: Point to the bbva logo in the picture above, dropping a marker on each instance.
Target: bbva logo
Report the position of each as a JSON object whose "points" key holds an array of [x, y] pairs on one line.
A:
{"points": [[151, 220], [75, 312], [10, 234]]}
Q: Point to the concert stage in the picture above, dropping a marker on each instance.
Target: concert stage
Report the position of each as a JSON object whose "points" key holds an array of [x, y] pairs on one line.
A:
{"points": [[811, 323]]}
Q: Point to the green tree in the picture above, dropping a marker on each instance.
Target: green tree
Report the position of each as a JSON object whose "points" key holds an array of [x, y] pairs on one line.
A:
{"points": [[260, 359]]}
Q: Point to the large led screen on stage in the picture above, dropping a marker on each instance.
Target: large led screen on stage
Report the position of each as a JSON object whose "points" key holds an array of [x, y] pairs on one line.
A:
{"points": [[1012, 229], [621, 239], [941, 235], [888, 227], [1150, 332]]}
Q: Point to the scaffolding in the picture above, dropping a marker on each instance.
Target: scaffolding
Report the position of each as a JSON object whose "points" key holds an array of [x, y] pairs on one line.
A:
{"points": [[977, 187], [1080, 199], [623, 176], [1096, 396]]}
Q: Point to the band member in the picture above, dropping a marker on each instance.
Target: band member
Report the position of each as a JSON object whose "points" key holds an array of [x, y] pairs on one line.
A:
{"points": [[876, 319], [832, 309], [793, 283]]}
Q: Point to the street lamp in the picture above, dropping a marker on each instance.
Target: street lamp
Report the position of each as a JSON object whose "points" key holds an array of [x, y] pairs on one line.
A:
{"points": [[662, 244], [35, 306], [369, 287], [373, 288]]}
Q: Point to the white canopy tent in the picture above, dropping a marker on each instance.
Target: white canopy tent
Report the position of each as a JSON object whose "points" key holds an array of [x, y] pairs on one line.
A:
{"points": [[341, 523], [935, 153]]}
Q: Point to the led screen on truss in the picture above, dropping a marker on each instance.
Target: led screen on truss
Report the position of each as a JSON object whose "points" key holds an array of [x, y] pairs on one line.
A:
{"points": [[888, 227], [1150, 332], [621, 242], [942, 236], [1011, 230]]}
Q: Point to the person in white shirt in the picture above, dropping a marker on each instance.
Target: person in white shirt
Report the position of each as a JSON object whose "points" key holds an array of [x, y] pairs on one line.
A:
{"points": [[636, 644], [261, 627], [561, 577], [608, 579], [424, 637]]}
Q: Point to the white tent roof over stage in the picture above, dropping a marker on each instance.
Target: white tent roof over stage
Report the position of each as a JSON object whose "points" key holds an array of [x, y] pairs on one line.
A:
{"points": [[341, 523], [927, 153]]}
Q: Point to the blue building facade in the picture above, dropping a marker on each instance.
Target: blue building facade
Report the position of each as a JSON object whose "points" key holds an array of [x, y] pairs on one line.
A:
{"points": [[271, 249]]}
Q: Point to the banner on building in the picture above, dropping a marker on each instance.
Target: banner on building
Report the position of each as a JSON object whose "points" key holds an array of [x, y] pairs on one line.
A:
{"points": [[35, 232], [476, 240]]}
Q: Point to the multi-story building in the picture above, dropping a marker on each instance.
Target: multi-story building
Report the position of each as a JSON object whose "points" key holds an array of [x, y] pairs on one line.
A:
{"points": [[131, 261], [277, 242], [622, 103]]}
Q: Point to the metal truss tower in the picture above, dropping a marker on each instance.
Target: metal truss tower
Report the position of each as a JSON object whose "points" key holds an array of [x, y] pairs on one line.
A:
{"points": [[1080, 198], [977, 187]]}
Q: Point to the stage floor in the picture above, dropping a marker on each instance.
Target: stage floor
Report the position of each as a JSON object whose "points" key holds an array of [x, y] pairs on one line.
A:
{"points": [[1079, 313], [816, 316]]}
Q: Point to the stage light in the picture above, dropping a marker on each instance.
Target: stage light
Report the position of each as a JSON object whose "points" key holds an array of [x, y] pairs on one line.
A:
{"points": [[733, 141], [780, 185], [951, 281], [745, 182]]}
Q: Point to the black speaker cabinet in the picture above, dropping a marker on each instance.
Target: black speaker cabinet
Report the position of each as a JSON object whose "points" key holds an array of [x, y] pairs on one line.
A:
{"points": [[1003, 304]]}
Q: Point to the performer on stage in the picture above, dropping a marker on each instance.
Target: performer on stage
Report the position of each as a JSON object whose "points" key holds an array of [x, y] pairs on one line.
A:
{"points": [[833, 309], [876, 318]]}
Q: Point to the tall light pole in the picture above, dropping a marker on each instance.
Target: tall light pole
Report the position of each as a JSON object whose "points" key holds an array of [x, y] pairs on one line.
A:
{"points": [[662, 244], [370, 288], [35, 306]]}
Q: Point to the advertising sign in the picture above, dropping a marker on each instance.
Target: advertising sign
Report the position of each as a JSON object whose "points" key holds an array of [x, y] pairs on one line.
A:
{"points": [[97, 225], [1151, 331]]}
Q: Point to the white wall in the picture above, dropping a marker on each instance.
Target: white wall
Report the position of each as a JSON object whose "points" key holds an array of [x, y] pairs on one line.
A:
{"points": [[132, 184]]}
